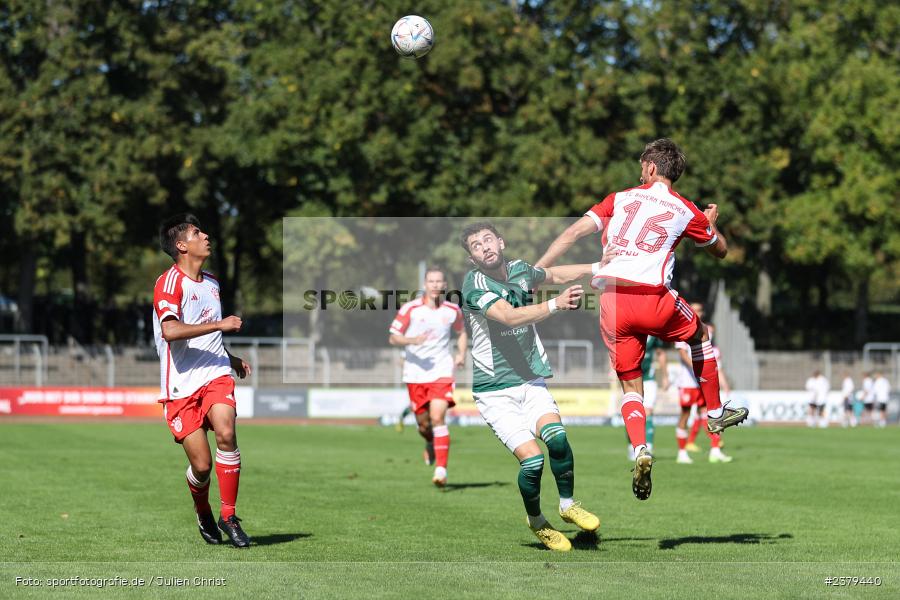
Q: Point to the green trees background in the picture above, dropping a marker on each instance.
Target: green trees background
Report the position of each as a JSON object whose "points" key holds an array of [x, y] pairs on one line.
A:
{"points": [[114, 114]]}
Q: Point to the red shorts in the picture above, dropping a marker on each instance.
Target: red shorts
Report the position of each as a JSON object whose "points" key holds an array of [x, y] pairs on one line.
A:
{"points": [[187, 415], [420, 394], [629, 314], [690, 396]]}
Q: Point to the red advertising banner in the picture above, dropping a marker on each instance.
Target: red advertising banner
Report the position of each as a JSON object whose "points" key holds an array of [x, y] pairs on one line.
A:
{"points": [[80, 402]]}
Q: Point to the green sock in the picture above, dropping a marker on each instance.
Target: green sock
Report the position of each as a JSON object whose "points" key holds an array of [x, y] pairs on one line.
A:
{"points": [[650, 430], [530, 483], [562, 461]]}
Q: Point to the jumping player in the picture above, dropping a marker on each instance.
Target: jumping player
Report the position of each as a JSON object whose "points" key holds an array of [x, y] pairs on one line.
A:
{"points": [[641, 227], [423, 327], [195, 373], [510, 368]]}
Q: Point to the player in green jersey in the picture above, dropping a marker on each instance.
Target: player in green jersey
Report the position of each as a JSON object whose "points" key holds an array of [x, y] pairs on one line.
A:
{"points": [[510, 367]]}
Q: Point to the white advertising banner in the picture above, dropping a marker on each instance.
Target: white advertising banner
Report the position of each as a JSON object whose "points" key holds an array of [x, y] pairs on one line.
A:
{"points": [[243, 398], [785, 406], [350, 402]]}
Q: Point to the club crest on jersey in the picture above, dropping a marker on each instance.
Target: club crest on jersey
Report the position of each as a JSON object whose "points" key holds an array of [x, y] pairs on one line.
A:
{"points": [[176, 424], [215, 293], [524, 285]]}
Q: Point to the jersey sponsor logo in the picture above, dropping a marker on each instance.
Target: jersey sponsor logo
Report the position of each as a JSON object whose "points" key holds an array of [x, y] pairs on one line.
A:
{"points": [[517, 331], [176, 424]]}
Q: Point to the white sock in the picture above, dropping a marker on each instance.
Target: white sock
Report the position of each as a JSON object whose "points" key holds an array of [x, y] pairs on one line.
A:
{"points": [[638, 448], [565, 504], [715, 413], [440, 472], [537, 521]]}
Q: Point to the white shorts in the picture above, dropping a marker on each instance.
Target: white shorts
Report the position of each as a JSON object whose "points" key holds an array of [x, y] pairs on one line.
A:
{"points": [[649, 394], [513, 413]]}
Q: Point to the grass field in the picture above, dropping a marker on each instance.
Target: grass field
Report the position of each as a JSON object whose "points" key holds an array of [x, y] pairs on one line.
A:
{"points": [[350, 512]]}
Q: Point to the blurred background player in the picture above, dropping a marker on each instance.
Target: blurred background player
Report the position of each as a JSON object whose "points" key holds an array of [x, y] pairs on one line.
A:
{"points": [[881, 392], [818, 388], [654, 362], [640, 229], [848, 395], [698, 410], [195, 373], [423, 327], [510, 367], [868, 396]]}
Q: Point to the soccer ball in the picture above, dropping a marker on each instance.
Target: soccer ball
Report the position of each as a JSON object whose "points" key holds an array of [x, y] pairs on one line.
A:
{"points": [[412, 36]]}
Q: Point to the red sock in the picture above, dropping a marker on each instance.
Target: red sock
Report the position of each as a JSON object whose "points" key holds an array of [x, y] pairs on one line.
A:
{"points": [[228, 472], [713, 439], [199, 492], [707, 372], [681, 435], [441, 445], [635, 419], [699, 422]]}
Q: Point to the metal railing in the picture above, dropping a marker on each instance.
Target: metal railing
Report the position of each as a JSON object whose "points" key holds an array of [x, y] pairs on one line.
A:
{"points": [[40, 348]]}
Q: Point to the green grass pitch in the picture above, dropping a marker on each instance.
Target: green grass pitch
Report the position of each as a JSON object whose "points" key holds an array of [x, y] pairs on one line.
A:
{"points": [[339, 512]]}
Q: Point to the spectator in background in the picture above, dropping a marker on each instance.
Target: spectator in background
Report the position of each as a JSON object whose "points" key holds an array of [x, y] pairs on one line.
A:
{"points": [[847, 393], [881, 391], [818, 388], [868, 395]]}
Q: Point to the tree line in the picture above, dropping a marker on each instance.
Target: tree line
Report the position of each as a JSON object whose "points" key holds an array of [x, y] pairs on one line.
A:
{"points": [[114, 114]]}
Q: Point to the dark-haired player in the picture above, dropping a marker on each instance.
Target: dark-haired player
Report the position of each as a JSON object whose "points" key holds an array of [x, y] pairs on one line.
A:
{"points": [[195, 373], [641, 227]]}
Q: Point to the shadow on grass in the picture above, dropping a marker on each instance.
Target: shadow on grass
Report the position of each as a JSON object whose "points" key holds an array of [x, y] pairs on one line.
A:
{"points": [[583, 540], [734, 538], [277, 538], [452, 487]]}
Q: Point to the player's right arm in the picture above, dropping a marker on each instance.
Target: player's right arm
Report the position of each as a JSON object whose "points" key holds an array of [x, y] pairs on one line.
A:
{"points": [[173, 329], [401, 340], [574, 232], [511, 316], [167, 299], [398, 329]]}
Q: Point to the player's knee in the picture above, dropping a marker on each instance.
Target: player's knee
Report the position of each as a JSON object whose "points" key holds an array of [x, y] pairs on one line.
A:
{"points": [[425, 429], [225, 437], [201, 469], [554, 436]]}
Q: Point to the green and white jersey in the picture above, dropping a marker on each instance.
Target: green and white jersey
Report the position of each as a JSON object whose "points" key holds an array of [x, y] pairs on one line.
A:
{"points": [[503, 356]]}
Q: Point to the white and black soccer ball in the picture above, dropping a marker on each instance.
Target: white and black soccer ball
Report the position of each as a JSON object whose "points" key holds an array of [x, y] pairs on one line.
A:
{"points": [[412, 36]]}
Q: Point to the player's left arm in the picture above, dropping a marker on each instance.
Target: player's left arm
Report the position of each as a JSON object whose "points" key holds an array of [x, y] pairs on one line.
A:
{"points": [[462, 345], [239, 365], [574, 232], [568, 273]]}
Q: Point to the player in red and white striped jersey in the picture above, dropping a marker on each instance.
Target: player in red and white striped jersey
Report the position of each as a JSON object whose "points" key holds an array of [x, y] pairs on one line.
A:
{"points": [[640, 229], [423, 327], [197, 390]]}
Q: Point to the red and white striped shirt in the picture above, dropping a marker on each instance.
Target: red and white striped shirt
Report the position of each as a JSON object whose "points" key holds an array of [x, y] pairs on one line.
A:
{"points": [[643, 225], [187, 365], [430, 361]]}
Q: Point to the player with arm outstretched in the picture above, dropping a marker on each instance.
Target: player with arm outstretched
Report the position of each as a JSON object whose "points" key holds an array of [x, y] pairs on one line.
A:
{"points": [[423, 327], [510, 369], [195, 373], [640, 229]]}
